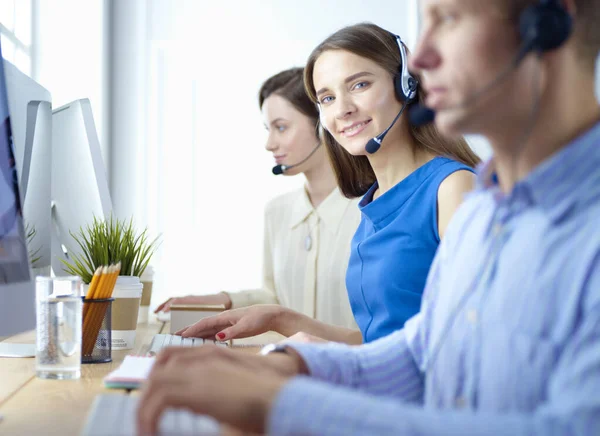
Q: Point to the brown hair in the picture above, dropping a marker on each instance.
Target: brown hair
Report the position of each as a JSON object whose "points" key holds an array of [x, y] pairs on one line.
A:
{"points": [[289, 84], [354, 173], [586, 27]]}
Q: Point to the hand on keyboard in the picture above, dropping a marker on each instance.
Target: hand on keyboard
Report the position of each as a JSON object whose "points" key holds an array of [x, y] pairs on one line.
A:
{"points": [[237, 323], [233, 387]]}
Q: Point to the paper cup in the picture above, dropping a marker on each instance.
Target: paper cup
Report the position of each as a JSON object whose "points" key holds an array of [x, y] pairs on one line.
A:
{"points": [[147, 280], [125, 309]]}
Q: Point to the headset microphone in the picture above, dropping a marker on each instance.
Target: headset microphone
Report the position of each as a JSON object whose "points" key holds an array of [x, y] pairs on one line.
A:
{"points": [[420, 115], [374, 144], [543, 27], [280, 169], [405, 86]]}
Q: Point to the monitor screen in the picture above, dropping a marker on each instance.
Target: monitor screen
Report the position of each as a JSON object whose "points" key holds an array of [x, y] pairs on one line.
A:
{"points": [[14, 267], [30, 110], [17, 290]]}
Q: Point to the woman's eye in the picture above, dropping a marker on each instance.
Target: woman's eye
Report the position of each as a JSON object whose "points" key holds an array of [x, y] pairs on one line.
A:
{"points": [[326, 100], [360, 85], [280, 128]]}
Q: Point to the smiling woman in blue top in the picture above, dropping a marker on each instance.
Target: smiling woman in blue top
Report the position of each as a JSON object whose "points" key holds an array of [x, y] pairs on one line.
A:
{"points": [[411, 185]]}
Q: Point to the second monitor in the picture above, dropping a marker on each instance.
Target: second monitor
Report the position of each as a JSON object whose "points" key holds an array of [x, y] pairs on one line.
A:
{"points": [[79, 183]]}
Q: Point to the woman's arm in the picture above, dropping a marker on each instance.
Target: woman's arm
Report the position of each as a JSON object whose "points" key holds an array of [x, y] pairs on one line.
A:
{"points": [[262, 318], [289, 322], [451, 194]]}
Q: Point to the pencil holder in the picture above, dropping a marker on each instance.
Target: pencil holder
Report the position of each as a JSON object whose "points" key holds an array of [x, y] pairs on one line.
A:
{"points": [[96, 343]]}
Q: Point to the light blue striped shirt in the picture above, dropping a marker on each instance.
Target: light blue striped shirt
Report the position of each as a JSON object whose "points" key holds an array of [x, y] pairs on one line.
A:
{"points": [[508, 338]]}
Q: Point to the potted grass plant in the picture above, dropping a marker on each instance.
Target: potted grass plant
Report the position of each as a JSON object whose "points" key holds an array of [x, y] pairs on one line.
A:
{"points": [[110, 241]]}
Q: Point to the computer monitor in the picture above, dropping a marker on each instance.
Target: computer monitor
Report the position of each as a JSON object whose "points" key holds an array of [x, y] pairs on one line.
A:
{"points": [[30, 107], [79, 184], [17, 290]]}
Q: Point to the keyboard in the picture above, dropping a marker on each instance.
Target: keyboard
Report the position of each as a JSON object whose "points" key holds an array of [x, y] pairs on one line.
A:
{"points": [[161, 341], [116, 415]]}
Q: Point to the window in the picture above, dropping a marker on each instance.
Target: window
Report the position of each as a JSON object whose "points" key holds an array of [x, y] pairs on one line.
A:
{"points": [[16, 33]]}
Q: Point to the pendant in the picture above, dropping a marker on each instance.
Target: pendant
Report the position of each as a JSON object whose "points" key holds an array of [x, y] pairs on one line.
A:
{"points": [[308, 243]]}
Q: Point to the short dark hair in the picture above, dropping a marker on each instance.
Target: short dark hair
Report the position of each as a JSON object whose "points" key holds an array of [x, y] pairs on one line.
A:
{"points": [[289, 84]]}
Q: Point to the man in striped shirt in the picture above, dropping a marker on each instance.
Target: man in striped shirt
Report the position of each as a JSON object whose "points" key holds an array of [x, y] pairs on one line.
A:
{"points": [[508, 338]]}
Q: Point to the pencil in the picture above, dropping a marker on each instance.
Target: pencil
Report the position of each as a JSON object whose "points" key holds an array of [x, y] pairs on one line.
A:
{"points": [[90, 312], [110, 285], [100, 311], [91, 288], [94, 282]]}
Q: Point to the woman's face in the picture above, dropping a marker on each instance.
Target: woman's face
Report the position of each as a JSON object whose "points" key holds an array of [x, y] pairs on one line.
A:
{"points": [[356, 99], [292, 135]]}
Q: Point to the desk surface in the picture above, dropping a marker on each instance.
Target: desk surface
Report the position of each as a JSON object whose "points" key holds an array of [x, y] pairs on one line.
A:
{"points": [[30, 405]]}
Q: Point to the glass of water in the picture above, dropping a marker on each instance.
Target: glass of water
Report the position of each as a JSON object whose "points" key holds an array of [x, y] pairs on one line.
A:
{"points": [[58, 327]]}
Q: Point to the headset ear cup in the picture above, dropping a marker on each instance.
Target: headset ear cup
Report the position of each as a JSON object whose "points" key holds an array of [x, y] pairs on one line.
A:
{"points": [[413, 85], [398, 88], [545, 27], [405, 92]]}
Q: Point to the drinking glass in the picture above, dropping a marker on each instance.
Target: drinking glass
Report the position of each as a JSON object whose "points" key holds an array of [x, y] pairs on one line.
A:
{"points": [[58, 327]]}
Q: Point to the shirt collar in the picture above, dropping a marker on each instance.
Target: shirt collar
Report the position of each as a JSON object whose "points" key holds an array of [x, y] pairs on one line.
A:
{"points": [[330, 211], [562, 181]]}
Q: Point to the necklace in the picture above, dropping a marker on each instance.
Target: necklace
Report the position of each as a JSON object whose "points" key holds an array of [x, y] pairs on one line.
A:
{"points": [[308, 240]]}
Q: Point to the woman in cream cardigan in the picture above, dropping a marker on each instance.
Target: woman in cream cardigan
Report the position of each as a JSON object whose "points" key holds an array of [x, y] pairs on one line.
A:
{"points": [[307, 231]]}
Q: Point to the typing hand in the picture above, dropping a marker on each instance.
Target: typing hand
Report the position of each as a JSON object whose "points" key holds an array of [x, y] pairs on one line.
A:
{"points": [[233, 387], [237, 323], [214, 299]]}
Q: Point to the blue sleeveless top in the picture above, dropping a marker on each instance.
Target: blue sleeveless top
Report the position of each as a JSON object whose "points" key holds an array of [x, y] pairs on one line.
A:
{"points": [[393, 248]]}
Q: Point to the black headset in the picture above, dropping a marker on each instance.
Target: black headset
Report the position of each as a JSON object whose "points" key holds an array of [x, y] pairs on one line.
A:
{"points": [[405, 84], [544, 27]]}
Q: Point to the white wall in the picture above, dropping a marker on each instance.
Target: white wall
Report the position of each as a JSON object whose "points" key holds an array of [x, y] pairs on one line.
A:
{"points": [[69, 56]]}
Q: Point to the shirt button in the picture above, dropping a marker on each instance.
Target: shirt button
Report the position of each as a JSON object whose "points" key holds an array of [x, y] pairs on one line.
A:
{"points": [[460, 402], [472, 316], [497, 229]]}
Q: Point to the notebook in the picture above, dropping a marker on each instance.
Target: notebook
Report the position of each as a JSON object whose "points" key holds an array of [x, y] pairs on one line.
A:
{"points": [[131, 374]]}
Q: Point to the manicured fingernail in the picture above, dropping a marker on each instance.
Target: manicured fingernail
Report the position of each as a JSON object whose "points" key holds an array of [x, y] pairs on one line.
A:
{"points": [[221, 336]]}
